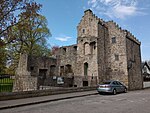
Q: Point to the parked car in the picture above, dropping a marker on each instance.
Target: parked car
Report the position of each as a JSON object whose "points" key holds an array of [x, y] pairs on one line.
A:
{"points": [[112, 86]]}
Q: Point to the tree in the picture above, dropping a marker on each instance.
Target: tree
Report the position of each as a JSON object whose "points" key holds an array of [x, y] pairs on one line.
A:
{"points": [[30, 33], [9, 12], [30, 37]]}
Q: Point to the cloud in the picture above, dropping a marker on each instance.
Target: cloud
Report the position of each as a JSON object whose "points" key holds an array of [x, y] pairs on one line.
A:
{"points": [[122, 11], [63, 38], [116, 8]]}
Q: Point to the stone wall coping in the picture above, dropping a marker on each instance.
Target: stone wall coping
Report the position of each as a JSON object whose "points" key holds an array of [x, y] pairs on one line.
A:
{"points": [[37, 93]]}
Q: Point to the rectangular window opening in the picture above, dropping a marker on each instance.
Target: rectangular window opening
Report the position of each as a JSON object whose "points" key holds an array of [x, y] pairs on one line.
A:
{"points": [[114, 40], [116, 57]]}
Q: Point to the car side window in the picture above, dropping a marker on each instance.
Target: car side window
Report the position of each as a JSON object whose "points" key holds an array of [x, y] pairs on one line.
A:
{"points": [[119, 83], [114, 83]]}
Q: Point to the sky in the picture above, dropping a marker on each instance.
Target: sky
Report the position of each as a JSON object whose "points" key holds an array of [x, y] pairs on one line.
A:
{"points": [[63, 17]]}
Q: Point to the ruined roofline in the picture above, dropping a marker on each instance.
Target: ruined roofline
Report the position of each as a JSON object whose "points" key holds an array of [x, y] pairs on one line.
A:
{"points": [[128, 33], [41, 57], [68, 46]]}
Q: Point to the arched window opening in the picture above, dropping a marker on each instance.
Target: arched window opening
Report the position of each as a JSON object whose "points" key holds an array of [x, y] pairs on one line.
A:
{"points": [[61, 70], [92, 47], [52, 70], [86, 69], [86, 48], [68, 68], [83, 30]]}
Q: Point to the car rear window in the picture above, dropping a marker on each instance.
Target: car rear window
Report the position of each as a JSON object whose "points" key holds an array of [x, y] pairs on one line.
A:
{"points": [[107, 82]]}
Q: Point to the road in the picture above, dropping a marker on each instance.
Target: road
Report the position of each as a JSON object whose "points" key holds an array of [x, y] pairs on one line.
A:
{"points": [[131, 102]]}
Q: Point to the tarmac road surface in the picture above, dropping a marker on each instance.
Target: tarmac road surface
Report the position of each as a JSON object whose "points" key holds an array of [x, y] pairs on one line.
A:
{"points": [[131, 102]]}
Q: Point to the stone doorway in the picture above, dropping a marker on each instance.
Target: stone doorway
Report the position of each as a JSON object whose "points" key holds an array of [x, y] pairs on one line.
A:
{"points": [[41, 77], [85, 83]]}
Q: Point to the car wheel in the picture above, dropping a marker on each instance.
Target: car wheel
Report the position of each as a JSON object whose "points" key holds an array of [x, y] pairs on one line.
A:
{"points": [[100, 93], [125, 90], [114, 92]]}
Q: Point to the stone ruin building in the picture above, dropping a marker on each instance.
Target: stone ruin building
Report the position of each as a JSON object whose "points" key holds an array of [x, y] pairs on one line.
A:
{"points": [[103, 51]]}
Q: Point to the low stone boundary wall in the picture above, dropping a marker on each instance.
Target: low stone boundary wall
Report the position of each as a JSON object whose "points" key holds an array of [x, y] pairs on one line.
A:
{"points": [[146, 84], [36, 93]]}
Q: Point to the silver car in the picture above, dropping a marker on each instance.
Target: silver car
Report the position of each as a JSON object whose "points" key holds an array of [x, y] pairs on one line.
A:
{"points": [[112, 86]]}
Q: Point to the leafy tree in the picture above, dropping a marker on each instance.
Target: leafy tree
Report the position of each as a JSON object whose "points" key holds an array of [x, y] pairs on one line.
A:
{"points": [[30, 37], [30, 33], [22, 30], [9, 12]]}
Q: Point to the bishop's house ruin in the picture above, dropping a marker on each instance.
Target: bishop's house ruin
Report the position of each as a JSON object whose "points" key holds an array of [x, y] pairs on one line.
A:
{"points": [[103, 51]]}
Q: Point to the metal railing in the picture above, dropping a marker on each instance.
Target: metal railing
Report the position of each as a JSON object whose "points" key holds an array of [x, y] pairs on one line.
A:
{"points": [[6, 83]]}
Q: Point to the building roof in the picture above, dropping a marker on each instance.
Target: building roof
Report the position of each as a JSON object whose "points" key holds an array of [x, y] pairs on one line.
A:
{"points": [[146, 64]]}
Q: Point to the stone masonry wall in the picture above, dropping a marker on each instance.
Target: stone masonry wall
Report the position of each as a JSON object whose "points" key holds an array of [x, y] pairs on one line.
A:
{"points": [[102, 51], [23, 79], [134, 61], [36, 63], [117, 54], [88, 25], [67, 56], [87, 48], [44, 68]]}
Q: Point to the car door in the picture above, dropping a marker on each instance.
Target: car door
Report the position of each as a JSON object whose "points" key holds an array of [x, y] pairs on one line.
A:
{"points": [[116, 86], [121, 87]]}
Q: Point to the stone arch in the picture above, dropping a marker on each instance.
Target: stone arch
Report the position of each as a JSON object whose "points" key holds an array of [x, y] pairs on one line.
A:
{"points": [[92, 47]]}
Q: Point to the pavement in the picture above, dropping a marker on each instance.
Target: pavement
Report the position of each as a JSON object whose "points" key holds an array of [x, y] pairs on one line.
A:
{"points": [[43, 99]]}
